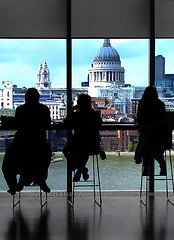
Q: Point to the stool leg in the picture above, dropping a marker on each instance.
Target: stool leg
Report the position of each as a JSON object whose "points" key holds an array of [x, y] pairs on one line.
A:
{"points": [[167, 179], [18, 201], [94, 176], [141, 188], [98, 173], [73, 189], [71, 198], [167, 188], [41, 200], [171, 168]]}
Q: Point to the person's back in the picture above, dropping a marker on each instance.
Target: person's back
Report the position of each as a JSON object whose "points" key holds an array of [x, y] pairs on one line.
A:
{"points": [[149, 112], [86, 125], [32, 120]]}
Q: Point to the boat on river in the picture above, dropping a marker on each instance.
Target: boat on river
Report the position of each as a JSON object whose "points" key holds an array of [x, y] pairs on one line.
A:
{"points": [[53, 160]]}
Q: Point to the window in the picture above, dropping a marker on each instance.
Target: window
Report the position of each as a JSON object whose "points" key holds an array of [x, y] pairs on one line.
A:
{"points": [[131, 24]]}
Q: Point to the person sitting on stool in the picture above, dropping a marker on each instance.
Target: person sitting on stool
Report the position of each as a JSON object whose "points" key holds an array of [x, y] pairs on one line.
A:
{"points": [[85, 122], [29, 154], [152, 130]]}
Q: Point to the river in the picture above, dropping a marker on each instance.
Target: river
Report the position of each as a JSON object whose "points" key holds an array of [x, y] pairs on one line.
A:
{"points": [[116, 173]]}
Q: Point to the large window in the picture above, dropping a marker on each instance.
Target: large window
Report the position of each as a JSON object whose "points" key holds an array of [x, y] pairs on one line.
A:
{"points": [[86, 24]]}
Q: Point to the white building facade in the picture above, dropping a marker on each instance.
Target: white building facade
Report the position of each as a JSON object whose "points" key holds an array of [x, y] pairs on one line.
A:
{"points": [[106, 78], [6, 95]]}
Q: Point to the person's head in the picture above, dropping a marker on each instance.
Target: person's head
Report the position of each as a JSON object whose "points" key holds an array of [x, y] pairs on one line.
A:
{"points": [[150, 93], [84, 101], [32, 96]]}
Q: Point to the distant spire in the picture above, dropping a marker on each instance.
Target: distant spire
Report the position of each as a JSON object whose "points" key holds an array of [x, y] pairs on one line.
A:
{"points": [[45, 64], [106, 42], [40, 66]]}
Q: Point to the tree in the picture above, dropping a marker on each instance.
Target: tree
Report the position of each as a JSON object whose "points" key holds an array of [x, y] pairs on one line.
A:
{"points": [[131, 146]]}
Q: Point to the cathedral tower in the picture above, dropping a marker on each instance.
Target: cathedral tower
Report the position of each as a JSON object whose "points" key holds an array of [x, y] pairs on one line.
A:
{"points": [[43, 77]]}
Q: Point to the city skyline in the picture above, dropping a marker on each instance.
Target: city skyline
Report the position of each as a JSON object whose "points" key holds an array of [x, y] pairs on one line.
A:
{"points": [[20, 58]]}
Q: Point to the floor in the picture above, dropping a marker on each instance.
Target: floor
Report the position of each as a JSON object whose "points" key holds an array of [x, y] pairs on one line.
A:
{"points": [[121, 217]]}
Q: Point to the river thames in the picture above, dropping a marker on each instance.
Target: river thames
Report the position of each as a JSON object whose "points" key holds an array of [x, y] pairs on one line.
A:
{"points": [[116, 173]]}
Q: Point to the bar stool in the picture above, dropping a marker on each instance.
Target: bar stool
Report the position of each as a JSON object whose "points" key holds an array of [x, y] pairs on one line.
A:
{"points": [[43, 197], [167, 138], [93, 182]]}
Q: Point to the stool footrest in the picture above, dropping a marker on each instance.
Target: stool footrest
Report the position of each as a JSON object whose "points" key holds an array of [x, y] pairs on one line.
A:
{"points": [[96, 185]]}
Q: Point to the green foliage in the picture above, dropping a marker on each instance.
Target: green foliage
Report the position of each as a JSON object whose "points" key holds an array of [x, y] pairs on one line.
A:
{"points": [[131, 146]]}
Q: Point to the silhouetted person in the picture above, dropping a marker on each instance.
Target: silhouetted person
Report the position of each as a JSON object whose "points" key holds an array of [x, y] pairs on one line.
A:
{"points": [[152, 130], [85, 122], [29, 154]]}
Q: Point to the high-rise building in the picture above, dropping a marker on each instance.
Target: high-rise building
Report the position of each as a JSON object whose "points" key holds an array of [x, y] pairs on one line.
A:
{"points": [[159, 67], [163, 82]]}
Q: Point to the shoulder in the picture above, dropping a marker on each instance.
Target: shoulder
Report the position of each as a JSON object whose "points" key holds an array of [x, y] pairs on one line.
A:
{"points": [[161, 103], [20, 108], [43, 107]]}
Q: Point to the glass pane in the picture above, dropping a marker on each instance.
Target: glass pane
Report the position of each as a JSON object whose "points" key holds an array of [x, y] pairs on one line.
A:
{"points": [[164, 79], [36, 63], [114, 18], [164, 73], [113, 72]]}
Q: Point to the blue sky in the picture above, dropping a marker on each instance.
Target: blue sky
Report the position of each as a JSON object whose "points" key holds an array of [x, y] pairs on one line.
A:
{"points": [[19, 59]]}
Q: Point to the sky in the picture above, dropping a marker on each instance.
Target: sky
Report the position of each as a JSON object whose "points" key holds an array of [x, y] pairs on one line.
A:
{"points": [[19, 59]]}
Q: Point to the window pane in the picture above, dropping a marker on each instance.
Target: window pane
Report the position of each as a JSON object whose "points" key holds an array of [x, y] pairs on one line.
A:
{"points": [[114, 73], [164, 72], [41, 64], [114, 70]]}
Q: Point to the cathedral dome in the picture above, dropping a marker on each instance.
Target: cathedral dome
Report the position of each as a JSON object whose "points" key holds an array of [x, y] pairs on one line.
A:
{"points": [[107, 53]]}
